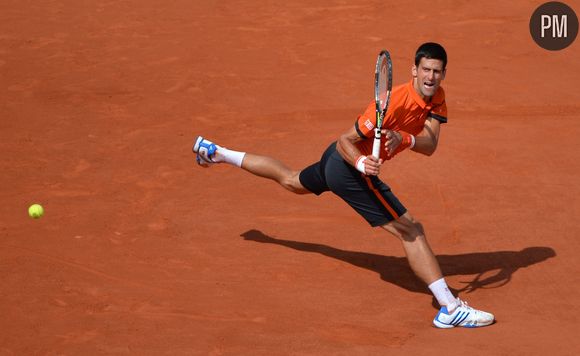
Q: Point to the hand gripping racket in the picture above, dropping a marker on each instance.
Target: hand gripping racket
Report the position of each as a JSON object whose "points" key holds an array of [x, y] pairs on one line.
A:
{"points": [[383, 86]]}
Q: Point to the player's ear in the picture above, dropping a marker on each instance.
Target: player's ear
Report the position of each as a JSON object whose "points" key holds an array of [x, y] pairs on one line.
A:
{"points": [[444, 72], [414, 71]]}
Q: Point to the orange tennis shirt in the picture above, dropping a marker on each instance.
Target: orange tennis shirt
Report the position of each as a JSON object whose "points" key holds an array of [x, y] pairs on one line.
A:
{"points": [[407, 112]]}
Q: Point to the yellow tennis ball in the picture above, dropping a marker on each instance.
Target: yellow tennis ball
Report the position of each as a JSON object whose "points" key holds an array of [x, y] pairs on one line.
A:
{"points": [[36, 211]]}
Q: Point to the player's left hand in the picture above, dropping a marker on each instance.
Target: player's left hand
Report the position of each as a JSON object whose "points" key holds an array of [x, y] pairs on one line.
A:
{"points": [[373, 166], [393, 141]]}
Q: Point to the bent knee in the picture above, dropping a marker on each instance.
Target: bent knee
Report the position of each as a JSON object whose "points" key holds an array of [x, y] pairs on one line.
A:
{"points": [[415, 232], [406, 229]]}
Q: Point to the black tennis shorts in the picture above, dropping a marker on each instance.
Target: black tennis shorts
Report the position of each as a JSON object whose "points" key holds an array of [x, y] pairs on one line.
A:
{"points": [[368, 195]]}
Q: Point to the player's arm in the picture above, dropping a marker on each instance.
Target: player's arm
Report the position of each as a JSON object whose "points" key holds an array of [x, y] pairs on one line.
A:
{"points": [[348, 150], [426, 141]]}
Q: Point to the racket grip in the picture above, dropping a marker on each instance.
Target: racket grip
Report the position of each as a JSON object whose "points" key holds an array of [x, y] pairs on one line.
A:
{"points": [[377, 143]]}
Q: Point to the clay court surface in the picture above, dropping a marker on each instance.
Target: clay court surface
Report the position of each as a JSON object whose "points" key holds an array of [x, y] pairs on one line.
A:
{"points": [[143, 252]]}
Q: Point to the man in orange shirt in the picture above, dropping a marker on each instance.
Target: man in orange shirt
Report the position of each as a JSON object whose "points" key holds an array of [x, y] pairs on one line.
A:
{"points": [[348, 169]]}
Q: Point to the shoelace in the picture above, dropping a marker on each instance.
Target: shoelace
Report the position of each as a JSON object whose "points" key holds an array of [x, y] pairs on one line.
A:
{"points": [[464, 304]]}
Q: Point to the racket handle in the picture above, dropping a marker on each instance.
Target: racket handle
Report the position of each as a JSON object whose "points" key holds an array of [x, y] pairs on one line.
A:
{"points": [[377, 143]]}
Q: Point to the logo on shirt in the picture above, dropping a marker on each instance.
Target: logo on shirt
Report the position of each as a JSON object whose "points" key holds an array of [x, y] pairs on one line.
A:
{"points": [[369, 125]]}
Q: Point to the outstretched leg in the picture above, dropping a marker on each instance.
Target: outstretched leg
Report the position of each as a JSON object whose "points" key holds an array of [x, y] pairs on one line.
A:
{"points": [[419, 253], [262, 166], [454, 312], [271, 168]]}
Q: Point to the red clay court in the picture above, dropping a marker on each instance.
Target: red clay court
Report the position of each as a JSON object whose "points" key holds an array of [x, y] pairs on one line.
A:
{"points": [[143, 252]]}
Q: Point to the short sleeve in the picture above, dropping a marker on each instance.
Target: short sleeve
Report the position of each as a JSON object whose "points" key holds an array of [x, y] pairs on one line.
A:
{"points": [[365, 123], [439, 113]]}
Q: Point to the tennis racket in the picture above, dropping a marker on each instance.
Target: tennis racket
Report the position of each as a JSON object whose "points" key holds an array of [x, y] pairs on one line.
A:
{"points": [[383, 86]]}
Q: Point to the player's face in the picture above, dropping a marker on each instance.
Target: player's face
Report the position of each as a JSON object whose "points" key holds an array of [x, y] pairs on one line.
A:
{"points": [[427, 76]]}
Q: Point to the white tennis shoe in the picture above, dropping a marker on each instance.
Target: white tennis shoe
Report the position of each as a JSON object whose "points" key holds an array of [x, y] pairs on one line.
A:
{"points": [[205, 151], [464, 316]]}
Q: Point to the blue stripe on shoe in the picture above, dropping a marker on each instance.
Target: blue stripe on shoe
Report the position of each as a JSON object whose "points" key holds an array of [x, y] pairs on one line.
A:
{"points": [[457, 317], [462, 319]]}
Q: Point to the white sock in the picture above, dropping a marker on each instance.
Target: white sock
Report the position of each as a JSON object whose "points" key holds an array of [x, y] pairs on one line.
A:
{"points": [[228, 156], [443, 295]]}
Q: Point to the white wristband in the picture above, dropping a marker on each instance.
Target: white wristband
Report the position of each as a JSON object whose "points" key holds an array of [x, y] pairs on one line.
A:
{"points": [[412, 142], [360, 164]]}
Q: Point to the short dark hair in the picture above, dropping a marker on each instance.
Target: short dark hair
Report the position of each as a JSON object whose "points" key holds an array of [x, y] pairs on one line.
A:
{"points": [[431, 50]]}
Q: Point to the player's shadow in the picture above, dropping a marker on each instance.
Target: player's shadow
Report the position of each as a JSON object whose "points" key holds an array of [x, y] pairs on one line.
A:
{"points": [[491, 269]]}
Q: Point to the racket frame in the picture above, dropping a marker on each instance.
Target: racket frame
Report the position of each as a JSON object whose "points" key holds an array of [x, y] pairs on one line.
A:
{"points": [[380, 111]]}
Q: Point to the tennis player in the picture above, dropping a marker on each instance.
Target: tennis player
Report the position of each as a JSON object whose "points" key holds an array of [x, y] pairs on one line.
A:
{"points": [[348, 169]]}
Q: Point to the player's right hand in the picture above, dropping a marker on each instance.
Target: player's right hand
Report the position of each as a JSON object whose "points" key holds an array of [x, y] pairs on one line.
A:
{"points": [[373, 165]]}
